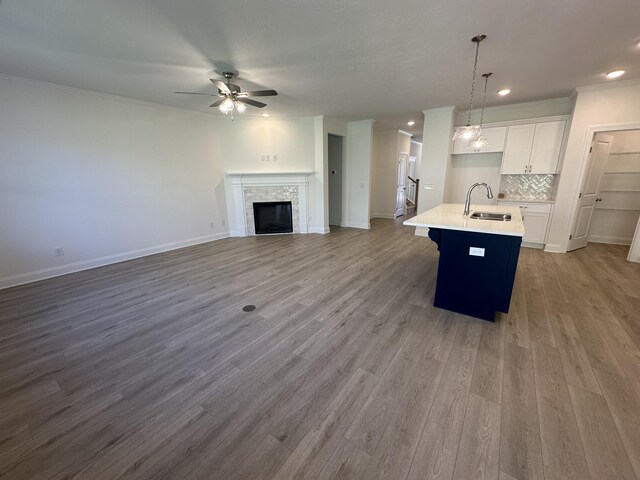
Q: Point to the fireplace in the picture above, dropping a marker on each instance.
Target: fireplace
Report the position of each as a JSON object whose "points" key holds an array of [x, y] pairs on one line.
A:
{"points": [[272, 217], [245, 189]]}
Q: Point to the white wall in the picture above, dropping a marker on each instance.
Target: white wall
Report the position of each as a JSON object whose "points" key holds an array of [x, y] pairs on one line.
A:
{"points": [[416, 151], [103, 177], [519, 111], [436, 156], [286, 144], [612, 106], [468, 169], [387, 147], [358, 172]]}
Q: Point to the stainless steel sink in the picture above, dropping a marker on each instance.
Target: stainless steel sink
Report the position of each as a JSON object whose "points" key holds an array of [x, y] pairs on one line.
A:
{"points": [[500, 217]]}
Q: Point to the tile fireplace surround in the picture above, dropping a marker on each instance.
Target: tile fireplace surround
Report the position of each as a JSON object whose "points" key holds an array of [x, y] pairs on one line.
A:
{"points": [[243, 189]]}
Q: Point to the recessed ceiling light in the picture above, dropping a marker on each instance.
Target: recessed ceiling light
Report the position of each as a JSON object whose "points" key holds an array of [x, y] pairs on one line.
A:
{"points": [[411, 123], [615, 74], [266, 115], [504, 91]]}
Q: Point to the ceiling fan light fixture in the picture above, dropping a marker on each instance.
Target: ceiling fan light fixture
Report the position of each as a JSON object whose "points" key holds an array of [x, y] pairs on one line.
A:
{"points": [[240, 107], [227, 105], [471, 132], [265, 115]]}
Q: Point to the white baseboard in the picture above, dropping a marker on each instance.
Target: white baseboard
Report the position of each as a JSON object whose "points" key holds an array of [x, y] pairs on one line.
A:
{"points": [[383, 215], [57, 271], [554, 248], [237, 233], [366, 226], [609, 239], [319, 230]]}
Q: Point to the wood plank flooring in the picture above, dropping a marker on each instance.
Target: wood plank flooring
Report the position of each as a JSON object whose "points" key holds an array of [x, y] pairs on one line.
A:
{"points": [[150, 369]]}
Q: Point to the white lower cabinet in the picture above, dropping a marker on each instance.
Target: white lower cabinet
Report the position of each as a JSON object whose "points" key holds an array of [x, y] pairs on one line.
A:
{"points": [[535, 217]]}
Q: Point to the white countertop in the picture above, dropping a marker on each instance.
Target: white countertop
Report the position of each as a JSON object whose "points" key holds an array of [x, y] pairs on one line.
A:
{"points": [[449, 216]]}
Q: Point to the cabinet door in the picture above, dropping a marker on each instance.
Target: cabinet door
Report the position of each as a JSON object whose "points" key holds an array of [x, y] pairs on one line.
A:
{"points": [[535, 226], [547, 142], [517, 150], [495, 137]]}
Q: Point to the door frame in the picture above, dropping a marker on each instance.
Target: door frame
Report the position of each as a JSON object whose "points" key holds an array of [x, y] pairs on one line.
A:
{"points": [[584, 158]]}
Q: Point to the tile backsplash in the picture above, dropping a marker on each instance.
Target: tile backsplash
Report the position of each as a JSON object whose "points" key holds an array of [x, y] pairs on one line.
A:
{"points": [[528, 187]]}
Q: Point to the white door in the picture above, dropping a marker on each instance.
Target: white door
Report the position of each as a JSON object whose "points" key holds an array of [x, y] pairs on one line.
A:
{"points": [[401, 203], [547, 143], [517, 149], [598, 157]]}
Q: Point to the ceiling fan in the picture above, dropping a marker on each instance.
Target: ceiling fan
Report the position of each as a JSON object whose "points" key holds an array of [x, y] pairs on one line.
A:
{"points": [[232, 98]]}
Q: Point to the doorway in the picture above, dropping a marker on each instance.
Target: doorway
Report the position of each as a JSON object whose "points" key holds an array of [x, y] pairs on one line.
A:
{"points": [[335, 179], [401, 190], [609, 200]]}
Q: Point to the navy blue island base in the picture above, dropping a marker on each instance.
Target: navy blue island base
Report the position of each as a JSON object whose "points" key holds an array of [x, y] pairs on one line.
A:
{"points": [[477, 286]]}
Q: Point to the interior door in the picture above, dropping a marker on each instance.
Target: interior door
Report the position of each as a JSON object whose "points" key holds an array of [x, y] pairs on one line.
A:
{"points": [[598, 157], [401, 203]]}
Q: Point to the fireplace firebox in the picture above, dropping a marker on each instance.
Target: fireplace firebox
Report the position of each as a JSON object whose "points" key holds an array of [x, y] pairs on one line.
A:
{"points": [[272, 217]]}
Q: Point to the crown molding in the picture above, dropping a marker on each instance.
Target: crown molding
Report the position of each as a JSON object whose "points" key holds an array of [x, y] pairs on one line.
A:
{"points": [[451, 108], [608, 85]]}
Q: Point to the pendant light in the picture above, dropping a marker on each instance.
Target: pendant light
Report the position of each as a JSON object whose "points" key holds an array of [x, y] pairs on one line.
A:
{"points": [[471, 132], [481, 141]]}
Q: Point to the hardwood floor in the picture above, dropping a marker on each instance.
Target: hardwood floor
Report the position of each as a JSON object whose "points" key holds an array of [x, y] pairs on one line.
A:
{"points": [[150, 369]]}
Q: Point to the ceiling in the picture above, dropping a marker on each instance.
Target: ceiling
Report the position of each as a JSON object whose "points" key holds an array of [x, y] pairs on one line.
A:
{"points": [[352, 59]]}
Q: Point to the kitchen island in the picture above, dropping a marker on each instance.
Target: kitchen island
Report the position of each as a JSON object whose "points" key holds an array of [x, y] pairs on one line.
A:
{"points": [[478, 257]]}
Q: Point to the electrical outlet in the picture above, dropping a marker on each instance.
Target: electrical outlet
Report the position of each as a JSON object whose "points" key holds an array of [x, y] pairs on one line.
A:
{"points": [[58, 251], [213, 224]]}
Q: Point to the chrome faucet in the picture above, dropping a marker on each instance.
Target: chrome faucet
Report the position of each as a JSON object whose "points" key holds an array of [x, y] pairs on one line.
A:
{"points": [[467, 204]]}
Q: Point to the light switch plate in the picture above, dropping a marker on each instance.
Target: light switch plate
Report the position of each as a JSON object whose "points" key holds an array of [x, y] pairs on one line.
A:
{"points": [[476, 251]]}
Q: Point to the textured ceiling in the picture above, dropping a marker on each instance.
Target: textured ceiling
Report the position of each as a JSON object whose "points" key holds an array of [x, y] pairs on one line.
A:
{"points": [[352, 59]]}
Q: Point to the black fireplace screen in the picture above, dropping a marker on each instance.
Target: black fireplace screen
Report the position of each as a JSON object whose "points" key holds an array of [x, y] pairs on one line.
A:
{"points": [[272, 217]]}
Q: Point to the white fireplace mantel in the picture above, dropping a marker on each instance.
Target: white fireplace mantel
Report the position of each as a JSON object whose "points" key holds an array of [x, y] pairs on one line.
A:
{"points": [[238, 184]]}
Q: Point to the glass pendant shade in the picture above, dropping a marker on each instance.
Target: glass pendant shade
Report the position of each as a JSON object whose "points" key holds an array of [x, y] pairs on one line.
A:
{"points": [[226, 106], [240, 107], [479, 143], [468, 132]]}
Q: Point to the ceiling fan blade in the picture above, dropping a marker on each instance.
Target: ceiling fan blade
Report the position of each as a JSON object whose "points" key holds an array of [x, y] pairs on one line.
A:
{"points": [[217, 103], [221, 86], [260, 93], [197, 93], [253, 103]]}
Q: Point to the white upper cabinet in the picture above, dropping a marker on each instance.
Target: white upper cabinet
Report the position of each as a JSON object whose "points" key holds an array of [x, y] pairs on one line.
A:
{"points": [[547, 143], [495, 137], [517, 150], [533, 148]]}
